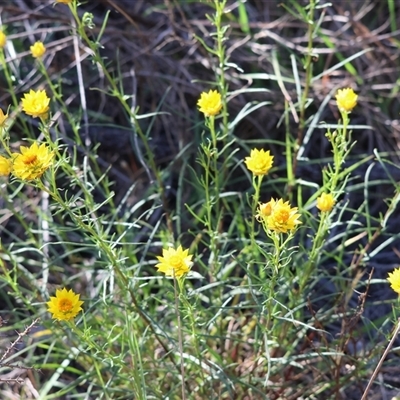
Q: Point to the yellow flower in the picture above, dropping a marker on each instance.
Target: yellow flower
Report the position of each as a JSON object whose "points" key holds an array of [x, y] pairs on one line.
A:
{"points": [[174, 262], [264, 211], [64, 1], [32, 162], [278, 216], [325, 202], [210, 103], [394, 280], [259, 162], [3, 39], [5, 166], [65, 305], [38, 49], [3, 118], [346, 99], [36, 104]]}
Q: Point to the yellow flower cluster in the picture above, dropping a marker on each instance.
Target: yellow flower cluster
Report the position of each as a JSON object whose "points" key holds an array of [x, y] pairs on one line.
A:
{"points": [[278, 216], [65, 305], [30, 162], [38, 49], [174, 262], [210, 103], [259, 162], [346, 100]]}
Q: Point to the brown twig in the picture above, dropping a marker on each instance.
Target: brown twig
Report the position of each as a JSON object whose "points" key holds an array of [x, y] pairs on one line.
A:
{"points": [[378, 367]]}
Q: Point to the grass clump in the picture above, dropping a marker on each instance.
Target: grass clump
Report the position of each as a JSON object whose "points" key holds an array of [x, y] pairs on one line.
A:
{"points": [[238, 266]]}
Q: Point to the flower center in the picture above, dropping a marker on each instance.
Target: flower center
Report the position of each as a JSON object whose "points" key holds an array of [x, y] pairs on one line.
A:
{"points": [[282, 216], [65, 305], [262, 162], [175, 262], [30, 159], [36, 105]]}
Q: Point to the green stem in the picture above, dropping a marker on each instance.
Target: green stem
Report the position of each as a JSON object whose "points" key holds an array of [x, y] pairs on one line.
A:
{"points": [[308, 66], [180, 339], [115, 91]]}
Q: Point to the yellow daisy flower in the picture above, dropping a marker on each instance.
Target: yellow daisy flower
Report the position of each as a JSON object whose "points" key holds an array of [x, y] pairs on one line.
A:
{"points": [[5, 166], [38, 49], [394, 280], [346, 99], [259, 162], [174, 262], [210, 103], [3, 39], [36, 103], [32, 162], [65, 305], [278, 216], [325, 202]]}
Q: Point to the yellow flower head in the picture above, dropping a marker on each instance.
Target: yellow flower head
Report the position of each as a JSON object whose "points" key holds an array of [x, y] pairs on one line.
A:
{"points": [[38, 49], [325, 202], [3, 118], [259, 162], [210, 103], [278, 216], [65, 305], [394, 280], [264, 211], [5, 166], [64, 1], [174, 262], [36, 103], [32, 162], [346, 99], [3, 39]]}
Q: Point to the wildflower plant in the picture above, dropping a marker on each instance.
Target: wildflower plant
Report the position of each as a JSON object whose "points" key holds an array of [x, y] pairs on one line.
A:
{"points": [[239, 305]]}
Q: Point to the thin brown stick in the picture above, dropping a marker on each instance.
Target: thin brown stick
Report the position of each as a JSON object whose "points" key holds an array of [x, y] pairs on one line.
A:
{"points": [[378, 367]]}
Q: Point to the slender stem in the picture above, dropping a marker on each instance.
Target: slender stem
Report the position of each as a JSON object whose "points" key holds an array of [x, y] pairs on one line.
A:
{"points": [[10, 84], [308, 65], [115, 91], [378, 367], [180, 339]]}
